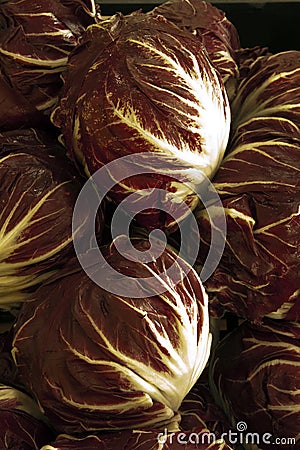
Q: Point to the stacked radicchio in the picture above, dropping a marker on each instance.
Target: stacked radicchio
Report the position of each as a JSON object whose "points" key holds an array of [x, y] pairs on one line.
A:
{"points": [[107, 352]]}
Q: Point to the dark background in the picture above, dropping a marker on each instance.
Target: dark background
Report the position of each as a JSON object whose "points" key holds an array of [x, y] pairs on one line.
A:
{"points": [[274, 25]]}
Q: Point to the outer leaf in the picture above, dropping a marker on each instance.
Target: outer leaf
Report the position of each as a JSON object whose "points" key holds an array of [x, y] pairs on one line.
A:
{"points": [[39, 187], [23, 427], [247, 56], [35, 41], [15, 110], [212, 27], [270, 89]]}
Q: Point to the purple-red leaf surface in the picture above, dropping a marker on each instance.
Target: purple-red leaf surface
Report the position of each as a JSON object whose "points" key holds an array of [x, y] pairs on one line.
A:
{"points": [[39, 188], [271, 88], [254, 374], [23, 426], [35, 40], [259, 185], [213, 29]]}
